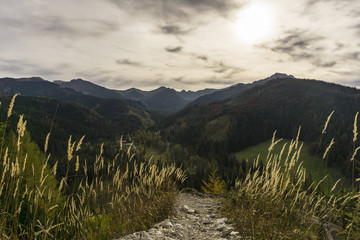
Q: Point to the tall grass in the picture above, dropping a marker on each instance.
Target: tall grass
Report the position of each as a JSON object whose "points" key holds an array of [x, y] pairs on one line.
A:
{"points": [[275, 201], [106, 200]]}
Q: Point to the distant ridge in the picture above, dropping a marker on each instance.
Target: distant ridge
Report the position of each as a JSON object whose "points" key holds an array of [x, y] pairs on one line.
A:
{"points": [[191, 95], [235, 89], [116, 110], [162, 100], [89, 88]]}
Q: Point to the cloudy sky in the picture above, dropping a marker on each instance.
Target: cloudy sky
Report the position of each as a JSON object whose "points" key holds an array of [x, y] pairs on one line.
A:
{"points": [[183, 44]]}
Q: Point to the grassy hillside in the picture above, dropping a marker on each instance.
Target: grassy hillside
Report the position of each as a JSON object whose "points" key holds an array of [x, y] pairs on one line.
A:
{"points": [[314, 166]]}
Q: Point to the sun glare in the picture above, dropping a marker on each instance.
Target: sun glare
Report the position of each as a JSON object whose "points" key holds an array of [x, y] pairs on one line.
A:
{"points": [[255, 23]]}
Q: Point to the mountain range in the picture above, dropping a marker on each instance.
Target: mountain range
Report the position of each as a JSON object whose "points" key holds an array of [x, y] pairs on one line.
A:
{"points": [[206, 121], [163, 100], [222, 94]]}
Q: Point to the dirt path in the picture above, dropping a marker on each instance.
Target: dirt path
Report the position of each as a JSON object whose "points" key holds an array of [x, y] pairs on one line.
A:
{"points": [[196, 217]]}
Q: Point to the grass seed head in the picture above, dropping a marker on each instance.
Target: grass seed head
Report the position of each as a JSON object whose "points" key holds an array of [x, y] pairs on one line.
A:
{"points": [[327, 122], [328, 148], [355, 127], [11, 106]]}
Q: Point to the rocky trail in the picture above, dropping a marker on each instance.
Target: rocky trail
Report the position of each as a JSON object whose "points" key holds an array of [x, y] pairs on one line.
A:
{"points": [[196, 217]]}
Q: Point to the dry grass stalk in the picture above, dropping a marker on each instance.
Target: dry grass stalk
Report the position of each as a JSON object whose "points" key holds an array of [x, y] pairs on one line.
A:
{"points": [[327, 122], [274, 201]]}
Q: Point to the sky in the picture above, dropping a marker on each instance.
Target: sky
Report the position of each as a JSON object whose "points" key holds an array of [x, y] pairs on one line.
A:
{"points": [[182, 44]]}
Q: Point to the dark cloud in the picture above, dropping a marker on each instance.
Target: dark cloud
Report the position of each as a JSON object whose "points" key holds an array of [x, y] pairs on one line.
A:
{"points": [[357, 28], [179, 79], [355, 55], [174, 29], [26, 68], [343, 73], [311, 7], [128, 62], [219, 67], [227, 71], [301, 45], [203, 57], [174, 49], [325, 64], [179, 8], [355, 13], [74, 28], [233, 72], [184, 81], [60, 26], [219, 82], [311, 3], [339, 46], [184, 12], [12, 23]]}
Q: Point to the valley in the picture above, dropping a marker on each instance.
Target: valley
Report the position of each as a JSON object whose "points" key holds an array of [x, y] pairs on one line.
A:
{"points": [[210, 137]]}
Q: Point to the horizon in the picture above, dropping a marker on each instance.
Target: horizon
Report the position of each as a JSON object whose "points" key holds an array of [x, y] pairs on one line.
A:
{"points": [[184, 44], [345, 84]]}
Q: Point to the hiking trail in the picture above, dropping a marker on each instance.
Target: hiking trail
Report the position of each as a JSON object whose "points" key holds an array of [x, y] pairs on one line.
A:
{"points": [[196, 217]]}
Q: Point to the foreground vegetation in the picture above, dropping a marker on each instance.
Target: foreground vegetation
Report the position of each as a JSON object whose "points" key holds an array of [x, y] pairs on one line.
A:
{"points": [[107, 199], [275, 201]]}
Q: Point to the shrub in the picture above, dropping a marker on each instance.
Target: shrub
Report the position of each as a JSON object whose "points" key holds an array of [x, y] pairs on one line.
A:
{"points": [[214, 185]]}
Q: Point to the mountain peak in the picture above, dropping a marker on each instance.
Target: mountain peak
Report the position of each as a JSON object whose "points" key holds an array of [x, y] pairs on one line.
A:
{"points": [[80, 80], [31, 79], [279, 75], [163, 88]]}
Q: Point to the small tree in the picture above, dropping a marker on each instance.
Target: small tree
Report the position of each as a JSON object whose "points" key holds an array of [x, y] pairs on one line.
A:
{"points": [[214, 185]]}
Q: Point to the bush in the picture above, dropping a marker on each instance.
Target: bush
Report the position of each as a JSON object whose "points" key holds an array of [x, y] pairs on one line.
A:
{"points": [[214, 185]]}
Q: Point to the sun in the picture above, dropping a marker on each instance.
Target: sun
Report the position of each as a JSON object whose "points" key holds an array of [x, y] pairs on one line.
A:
{"points": [[255, 23]]}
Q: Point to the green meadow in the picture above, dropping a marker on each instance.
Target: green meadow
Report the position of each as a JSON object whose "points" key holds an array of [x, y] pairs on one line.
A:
{"points": [[314, 165]]}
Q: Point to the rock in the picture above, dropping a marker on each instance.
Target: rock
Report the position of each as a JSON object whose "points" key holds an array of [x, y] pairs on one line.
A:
{"points": [[206, 221], [154, 232], [188, 210], [166, 224], [220, 221], [226, 231], [139, 235], [179, 226], [221, 227], [193, 218]]}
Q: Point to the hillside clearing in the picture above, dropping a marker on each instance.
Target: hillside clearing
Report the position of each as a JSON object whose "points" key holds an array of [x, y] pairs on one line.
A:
{"points": [[315, 166]]}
